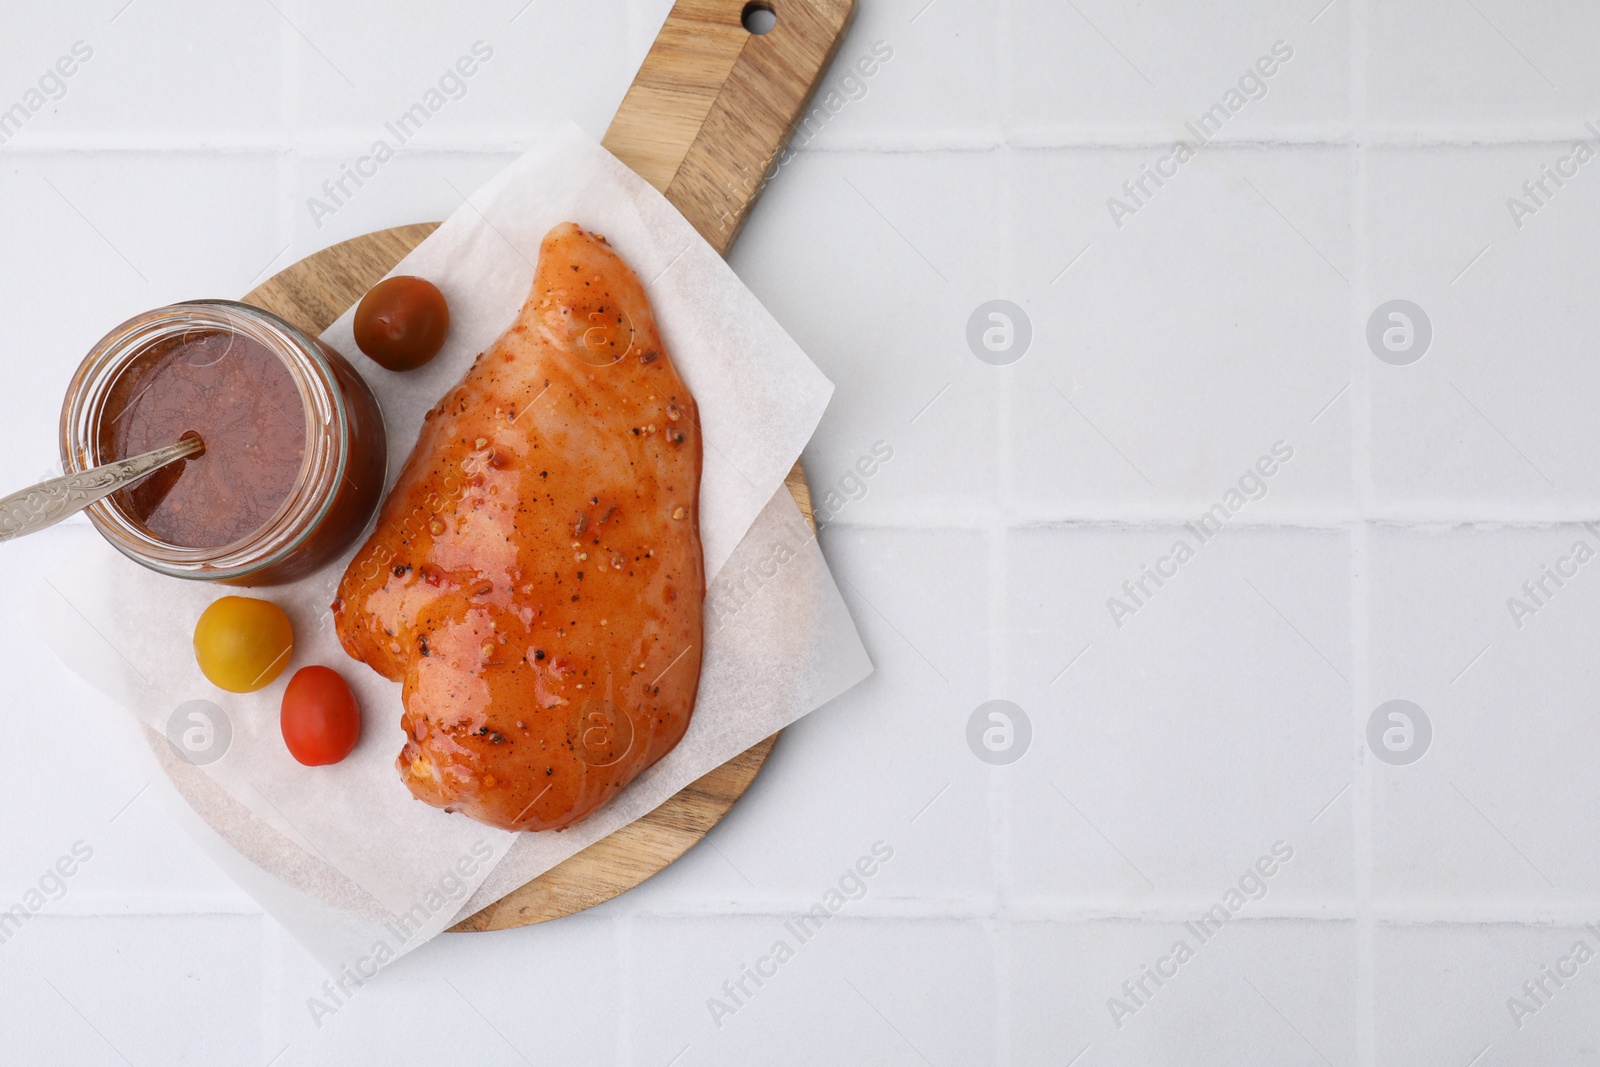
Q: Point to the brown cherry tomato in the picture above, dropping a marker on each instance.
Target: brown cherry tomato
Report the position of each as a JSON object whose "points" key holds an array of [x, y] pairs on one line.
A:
{"points": [[401, 322], [320, 720]]}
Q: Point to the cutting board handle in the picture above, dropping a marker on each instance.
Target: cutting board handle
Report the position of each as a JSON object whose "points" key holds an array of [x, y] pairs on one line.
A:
{"points": [[714, 105]]}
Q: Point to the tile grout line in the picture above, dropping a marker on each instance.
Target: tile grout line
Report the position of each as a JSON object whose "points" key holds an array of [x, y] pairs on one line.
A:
{"points": [[1360, 454], [622, 930], [338, 143], [272, 1020], [1361, 798], [288, 106], [1332, 910], [1000, 792]]}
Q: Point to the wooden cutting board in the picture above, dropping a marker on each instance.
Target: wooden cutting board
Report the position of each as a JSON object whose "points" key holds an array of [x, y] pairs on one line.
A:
{"points": [[704, 121]]}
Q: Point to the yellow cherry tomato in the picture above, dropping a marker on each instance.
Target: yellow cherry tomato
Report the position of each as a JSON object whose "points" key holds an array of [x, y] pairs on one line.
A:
{"points": [[242, 644]]}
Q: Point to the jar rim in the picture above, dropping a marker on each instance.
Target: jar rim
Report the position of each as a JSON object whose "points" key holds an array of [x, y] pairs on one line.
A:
{"points": [[323, 468]]}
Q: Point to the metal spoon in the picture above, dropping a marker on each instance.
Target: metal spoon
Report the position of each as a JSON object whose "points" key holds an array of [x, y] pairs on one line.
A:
{"points": [[48, 503]]}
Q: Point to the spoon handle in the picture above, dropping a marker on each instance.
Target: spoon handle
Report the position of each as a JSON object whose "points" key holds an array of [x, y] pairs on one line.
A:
{"points": [[47, 503]]}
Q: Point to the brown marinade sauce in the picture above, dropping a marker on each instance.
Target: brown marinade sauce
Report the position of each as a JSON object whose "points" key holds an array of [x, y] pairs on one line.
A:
{"points": [[244, 404]]}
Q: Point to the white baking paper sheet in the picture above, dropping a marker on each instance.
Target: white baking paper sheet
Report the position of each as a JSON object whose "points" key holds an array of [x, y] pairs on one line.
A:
{"points": [[350, 860]]}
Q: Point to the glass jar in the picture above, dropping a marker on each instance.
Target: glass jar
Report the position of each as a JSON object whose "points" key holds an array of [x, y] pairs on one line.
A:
{"points": [[341, 474]]}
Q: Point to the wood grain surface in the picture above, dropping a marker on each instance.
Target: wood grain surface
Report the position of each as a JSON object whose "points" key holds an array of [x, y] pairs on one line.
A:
{"points": [[713, 105], [705, 119]]}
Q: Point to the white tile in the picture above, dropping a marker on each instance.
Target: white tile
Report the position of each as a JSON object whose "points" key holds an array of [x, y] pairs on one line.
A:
{"points": [[1443, 993], [1120, 71], [857, 101], [152, 69], [1171, 752], [526, 73], [798, 830], [890, 992], [697, 956], [151, 989], [503, 997], [1486, 814], [412, 187], [873, 264], [1172, 352], [939, 75], [1254, 992], [1496, 413], [1492, 68]]}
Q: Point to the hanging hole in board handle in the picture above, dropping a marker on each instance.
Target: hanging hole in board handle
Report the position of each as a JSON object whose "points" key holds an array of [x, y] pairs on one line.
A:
{"points": [[759, 18]]}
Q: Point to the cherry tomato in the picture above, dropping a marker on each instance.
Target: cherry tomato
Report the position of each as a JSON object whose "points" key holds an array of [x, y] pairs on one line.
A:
{"points": [[320, 720], [242, 644], [401, 322]]}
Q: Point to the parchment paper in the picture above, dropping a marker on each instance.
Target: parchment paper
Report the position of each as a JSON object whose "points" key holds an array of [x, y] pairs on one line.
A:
{"points": [[353, 860]]}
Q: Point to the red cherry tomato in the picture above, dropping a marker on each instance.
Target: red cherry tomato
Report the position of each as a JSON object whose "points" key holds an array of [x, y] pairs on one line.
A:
{"points": [[320, 720], [401, 322]]}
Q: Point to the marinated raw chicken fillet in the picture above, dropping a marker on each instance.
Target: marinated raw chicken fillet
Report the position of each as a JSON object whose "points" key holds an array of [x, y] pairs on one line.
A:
{"points": [[535, 579]]}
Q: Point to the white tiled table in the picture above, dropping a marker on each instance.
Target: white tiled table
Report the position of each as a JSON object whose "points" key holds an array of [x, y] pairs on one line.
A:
{"points": [[1224, 715]]}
